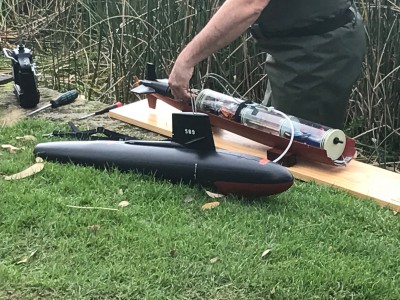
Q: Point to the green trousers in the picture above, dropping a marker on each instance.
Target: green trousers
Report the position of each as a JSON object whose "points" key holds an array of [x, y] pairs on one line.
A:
{"points": [[311, 77]]}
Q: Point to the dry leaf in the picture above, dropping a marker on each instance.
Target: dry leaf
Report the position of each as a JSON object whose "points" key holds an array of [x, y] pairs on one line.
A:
{"points": [[26, 258], [39, 159], [188, 198], [26, 138], [210, 205], [94, 228], [214, 195], [265, 253], [214, 259], [10, 148], [273, 291], [123, 203], [27, 172]]}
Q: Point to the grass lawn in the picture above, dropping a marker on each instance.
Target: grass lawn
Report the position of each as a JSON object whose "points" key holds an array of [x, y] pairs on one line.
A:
{"points": [[324, 244]]}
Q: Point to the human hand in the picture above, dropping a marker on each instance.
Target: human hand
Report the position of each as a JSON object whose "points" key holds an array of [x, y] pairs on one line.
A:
{"points": [[179, 81]]}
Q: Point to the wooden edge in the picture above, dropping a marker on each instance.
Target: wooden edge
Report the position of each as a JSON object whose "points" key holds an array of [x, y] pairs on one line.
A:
{"points": [[359, 179]]}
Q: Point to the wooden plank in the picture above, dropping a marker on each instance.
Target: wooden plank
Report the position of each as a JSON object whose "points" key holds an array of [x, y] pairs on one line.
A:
{"points": [[359, 179]]}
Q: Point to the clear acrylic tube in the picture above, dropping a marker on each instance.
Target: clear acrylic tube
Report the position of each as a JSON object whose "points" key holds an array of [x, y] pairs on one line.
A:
{"points": [[266, 119]]}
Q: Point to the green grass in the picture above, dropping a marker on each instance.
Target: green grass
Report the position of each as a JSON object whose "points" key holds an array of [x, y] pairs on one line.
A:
{"points": [[324, 243]]}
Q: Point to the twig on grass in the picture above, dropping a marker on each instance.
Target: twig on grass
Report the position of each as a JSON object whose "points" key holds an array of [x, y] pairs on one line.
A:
{"points": [[92, 207]]}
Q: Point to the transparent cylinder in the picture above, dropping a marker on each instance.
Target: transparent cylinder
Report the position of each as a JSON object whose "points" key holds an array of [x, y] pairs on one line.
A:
{"points": [[313, 134], [262, 118], [217, 103], [274, 122]]}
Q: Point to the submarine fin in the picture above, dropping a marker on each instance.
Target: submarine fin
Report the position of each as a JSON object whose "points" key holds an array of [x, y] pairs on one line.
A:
{"points": [[193, 131], [151, 72]]}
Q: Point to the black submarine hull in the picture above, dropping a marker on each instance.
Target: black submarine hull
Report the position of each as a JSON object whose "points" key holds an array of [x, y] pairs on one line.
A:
{"points": [[229, 172]]}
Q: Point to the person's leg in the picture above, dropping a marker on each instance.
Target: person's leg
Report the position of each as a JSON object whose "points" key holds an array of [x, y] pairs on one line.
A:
{"points": [[311, 77]]}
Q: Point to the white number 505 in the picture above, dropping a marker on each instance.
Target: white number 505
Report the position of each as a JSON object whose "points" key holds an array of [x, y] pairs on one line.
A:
{"points": [[190, 131]]}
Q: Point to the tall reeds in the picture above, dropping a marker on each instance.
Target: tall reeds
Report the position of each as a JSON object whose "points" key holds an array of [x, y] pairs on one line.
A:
{"points": [[374, 114], [99, 46]]}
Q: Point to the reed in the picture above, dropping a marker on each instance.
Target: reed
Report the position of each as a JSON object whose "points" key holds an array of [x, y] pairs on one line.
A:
{"points": [[99, 46], [374, 113]]}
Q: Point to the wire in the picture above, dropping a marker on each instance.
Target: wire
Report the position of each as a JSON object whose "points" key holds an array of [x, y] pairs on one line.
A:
{"points": [[219, 79], [193, 102], [291, 135], [193, 97]]}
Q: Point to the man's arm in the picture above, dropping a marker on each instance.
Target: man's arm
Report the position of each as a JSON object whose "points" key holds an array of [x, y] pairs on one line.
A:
{"points": [[229, 22]]}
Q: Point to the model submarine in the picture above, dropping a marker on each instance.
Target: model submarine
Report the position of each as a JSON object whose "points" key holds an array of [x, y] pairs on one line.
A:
{"points": [[284, 134], [189, 157]]}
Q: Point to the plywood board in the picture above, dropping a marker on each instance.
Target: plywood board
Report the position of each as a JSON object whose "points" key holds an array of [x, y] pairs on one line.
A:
{"points": [[359, 179]]}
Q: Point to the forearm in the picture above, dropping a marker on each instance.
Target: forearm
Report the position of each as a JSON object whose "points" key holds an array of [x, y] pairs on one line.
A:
{"points": [[229, 22]]}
